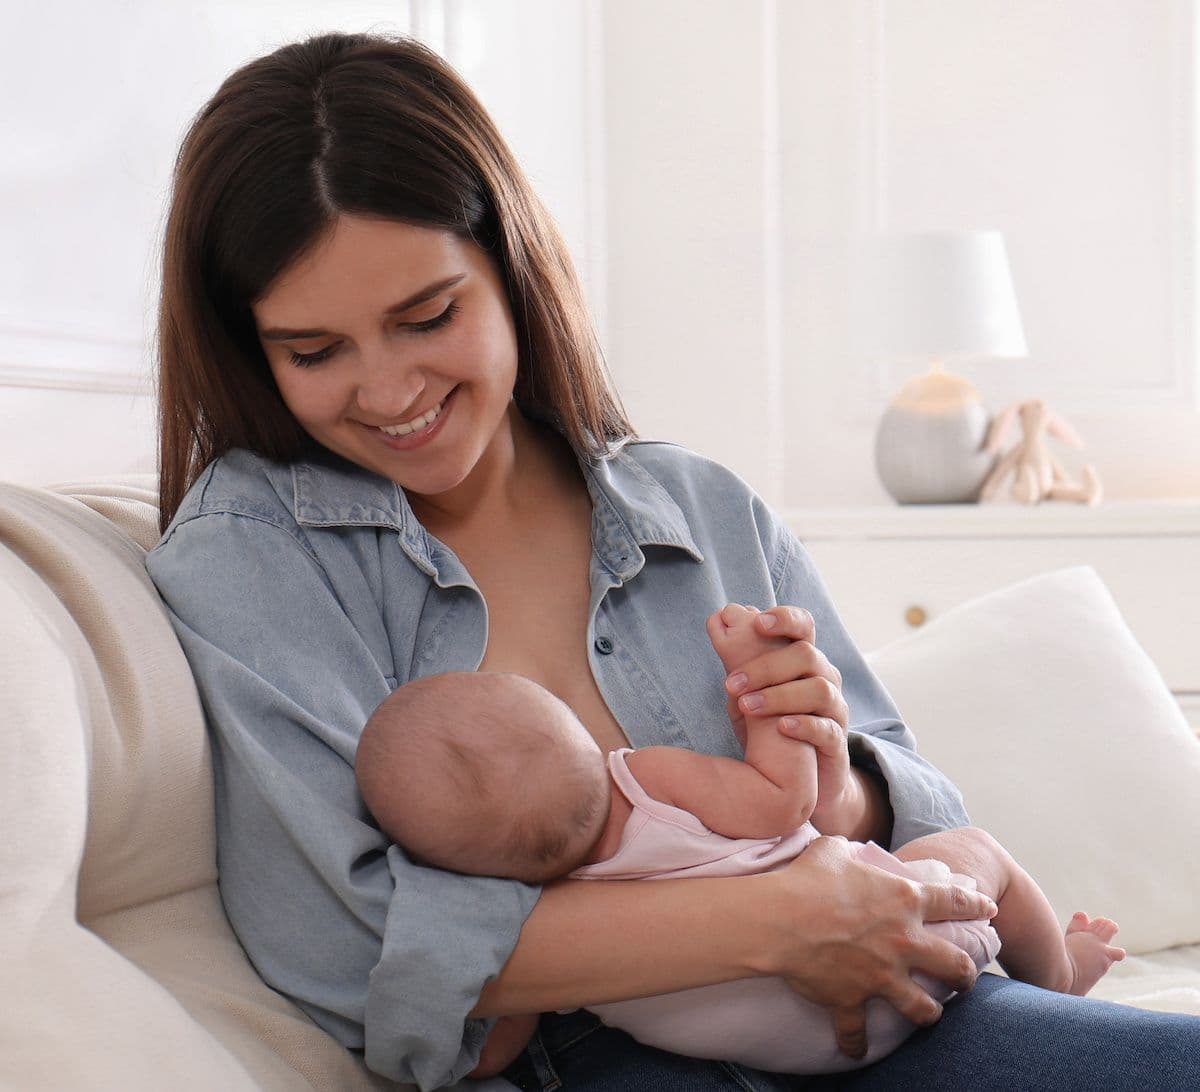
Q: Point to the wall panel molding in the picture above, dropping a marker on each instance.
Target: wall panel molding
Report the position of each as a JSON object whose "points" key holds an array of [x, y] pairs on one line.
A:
{"points": [[72, 360]]}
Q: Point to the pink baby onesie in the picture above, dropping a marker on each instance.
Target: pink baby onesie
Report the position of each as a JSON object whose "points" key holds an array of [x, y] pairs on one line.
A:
{"points": [[759, 1022]]}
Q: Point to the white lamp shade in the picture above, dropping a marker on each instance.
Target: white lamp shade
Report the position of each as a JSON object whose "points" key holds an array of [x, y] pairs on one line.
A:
{"points": [[934, 295]]}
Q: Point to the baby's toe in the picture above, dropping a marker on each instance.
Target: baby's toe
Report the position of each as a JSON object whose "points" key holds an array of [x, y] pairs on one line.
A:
{"points": [[1104, 928], [1079, 921]]}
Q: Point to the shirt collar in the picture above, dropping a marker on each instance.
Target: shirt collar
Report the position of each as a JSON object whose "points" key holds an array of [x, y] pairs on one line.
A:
{"points": [[329, 491], [630, 509]]}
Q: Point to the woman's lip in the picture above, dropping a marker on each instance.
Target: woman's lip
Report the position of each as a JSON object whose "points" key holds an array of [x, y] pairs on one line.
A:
{"points": [[439, 406], [417, 439]]}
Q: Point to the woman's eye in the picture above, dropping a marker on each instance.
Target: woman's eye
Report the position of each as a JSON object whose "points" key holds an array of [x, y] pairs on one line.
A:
{"points": [[304, 360], [437, 321]]}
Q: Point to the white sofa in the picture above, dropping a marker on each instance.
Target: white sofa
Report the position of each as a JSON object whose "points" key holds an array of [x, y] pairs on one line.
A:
{"points": [[120, 970]]}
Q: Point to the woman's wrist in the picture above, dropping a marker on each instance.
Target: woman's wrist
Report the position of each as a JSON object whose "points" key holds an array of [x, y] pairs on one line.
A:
{"points": [[862, 813]]}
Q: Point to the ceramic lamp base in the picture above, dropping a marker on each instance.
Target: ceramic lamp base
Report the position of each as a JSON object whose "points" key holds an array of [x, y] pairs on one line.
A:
{"points": [[928, 444]]}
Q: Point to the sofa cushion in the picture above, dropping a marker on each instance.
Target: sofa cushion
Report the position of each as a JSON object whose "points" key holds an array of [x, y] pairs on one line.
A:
{"points": [[114, 940], [1166, 981], [1040, 704]]}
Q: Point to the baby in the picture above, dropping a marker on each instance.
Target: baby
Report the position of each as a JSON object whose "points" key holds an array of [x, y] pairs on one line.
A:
{"points": [[490, 774]]}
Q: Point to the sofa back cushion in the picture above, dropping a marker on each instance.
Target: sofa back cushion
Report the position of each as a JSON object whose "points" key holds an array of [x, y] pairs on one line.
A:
{"points": [[115, 938]]}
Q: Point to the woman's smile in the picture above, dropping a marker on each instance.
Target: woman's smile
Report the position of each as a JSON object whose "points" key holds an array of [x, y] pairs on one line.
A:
{"points": [[416, 431]]}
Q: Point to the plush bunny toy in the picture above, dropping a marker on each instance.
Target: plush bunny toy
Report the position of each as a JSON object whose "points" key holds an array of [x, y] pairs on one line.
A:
{"points": [[1037, 474]]}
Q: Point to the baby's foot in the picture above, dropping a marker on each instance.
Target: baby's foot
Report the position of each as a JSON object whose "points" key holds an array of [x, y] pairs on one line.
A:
{"points": [[736, 638], [1089, 951]]}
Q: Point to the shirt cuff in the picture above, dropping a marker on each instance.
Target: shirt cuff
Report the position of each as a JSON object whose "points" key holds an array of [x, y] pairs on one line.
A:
{"points": [[922, 799], [446, 937]]}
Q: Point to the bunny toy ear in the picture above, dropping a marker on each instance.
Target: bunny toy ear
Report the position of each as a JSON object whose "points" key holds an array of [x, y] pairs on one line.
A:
{"points": [[1056, 426], [1000, 427]]}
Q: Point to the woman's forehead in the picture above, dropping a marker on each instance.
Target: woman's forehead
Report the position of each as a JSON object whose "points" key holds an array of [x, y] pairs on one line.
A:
{"points": [[360, 258]]}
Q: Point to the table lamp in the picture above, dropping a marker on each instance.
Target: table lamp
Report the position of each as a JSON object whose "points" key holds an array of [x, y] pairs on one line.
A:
{"points": [[934, 298]]}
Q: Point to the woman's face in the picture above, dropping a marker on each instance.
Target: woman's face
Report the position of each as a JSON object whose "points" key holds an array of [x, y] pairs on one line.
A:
{"points": [[381, 325]]}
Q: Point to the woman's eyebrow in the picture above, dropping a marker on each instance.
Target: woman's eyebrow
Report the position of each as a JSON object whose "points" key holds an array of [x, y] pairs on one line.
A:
{"points": [[278, 333]]}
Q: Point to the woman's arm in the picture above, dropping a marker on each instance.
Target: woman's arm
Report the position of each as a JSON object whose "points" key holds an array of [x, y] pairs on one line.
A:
{"points": [[838, 930]]}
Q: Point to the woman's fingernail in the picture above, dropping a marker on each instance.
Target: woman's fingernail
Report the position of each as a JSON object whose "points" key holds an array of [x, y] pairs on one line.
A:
{"points": [[753, 701], [768, 621], [737, 683]]}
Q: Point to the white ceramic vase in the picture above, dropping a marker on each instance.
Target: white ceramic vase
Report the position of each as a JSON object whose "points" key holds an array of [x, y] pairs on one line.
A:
{"points": [[928, 447]]}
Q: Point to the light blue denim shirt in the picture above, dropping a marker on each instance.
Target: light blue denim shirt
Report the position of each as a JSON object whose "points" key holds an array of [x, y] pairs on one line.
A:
{"points": [[303, 594]]}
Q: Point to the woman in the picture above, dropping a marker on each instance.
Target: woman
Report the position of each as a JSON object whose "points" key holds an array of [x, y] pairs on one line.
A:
{"points": [[388, 448]]}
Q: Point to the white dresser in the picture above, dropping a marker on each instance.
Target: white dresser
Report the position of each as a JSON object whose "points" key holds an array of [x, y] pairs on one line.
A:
{"points": [[892, 568]]}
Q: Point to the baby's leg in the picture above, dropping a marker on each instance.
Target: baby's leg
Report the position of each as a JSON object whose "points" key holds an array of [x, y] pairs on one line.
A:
{"points": [[1034, 949]]}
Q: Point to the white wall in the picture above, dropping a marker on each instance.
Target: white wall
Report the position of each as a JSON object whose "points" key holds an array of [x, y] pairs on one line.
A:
{"points": [[690, 181], [1069, 126], [706, 159], [92, 109]]}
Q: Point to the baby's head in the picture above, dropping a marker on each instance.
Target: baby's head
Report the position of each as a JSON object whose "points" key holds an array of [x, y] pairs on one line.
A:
{"points": [[484, 773]]}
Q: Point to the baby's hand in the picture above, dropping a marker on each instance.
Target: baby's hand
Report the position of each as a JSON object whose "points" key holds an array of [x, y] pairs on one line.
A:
{"points": [[736, 638], [737, 641]]}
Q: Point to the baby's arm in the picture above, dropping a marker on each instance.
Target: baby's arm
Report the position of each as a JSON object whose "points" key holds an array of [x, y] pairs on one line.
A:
{"points": [[731, 797], [772, 793]]}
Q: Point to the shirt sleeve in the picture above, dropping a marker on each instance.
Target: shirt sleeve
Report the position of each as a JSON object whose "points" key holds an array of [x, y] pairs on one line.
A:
{"points": [[387, 955], [923, 799]]}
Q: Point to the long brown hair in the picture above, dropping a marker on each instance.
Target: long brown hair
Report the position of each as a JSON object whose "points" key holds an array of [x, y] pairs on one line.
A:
{"points": [[362, 124]]}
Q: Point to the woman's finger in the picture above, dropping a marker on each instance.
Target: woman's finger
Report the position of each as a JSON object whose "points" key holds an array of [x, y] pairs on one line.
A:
{"points": [[824, 733], [949, 902], [786, 621], [798, 660], [946, 962], [801, 697], [850, 1026], [914, 1004]]}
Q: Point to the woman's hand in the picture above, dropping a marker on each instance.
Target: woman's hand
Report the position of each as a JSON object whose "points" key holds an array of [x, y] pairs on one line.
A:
{"points": [[802, 690], [850, 931]]}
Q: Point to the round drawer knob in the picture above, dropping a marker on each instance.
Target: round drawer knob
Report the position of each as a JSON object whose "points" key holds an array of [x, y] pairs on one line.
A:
{"points": [[916, 616]]}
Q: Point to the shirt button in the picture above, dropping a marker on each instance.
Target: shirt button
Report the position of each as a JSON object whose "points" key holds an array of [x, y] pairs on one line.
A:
{"points": [[604, 646]]}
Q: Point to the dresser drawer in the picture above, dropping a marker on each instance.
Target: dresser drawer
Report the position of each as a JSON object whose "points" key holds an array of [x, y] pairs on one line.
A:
{"points": [[883, 586]]}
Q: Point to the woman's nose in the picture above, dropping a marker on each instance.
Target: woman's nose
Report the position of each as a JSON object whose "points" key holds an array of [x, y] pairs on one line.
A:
{"points": [[387, 392]]}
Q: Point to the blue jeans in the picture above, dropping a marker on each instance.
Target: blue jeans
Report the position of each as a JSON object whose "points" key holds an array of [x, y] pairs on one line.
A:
{"points": [[1003, 1035]]}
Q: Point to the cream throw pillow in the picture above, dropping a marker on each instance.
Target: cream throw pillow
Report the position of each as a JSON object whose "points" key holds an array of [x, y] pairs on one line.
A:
{"points": [[1039, 703]]}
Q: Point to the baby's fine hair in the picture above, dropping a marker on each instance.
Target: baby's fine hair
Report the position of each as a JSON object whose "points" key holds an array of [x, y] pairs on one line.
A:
{"points": [[483, 773]]}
